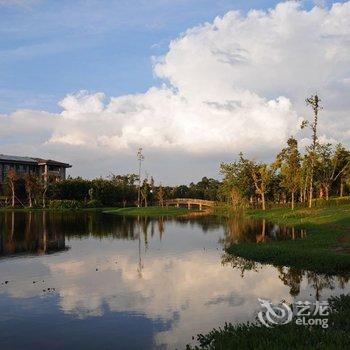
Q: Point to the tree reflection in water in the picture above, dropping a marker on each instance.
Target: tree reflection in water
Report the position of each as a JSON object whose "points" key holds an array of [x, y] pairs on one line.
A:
{"points": [[242, 230], [168, 270], [46, 232], [290, 276], [43, 232], [29, 233]]}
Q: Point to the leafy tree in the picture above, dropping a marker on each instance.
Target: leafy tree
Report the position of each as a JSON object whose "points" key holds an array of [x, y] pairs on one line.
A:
{"points": [[181, 191], [262, 175], [126, 187], [345, 181], [288, 161], [331, 164], [160, 195], [71, 189], [145, 191], [105, 192], [342, 172], [275, 191], [206, 188], [238, 184]]}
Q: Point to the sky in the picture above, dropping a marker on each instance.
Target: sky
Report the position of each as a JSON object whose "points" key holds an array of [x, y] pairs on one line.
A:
{"points": [[193, 82]]}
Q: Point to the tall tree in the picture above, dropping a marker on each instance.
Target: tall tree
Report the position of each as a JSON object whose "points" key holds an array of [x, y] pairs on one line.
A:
{"points": [[145, 191], [342, 157], [160, 195], [347, 178], [304, 178], [288, 161], [46, 182], [262, 175], [315, 103]]}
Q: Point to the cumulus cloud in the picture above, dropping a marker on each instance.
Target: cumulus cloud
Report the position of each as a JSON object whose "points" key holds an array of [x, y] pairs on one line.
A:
{"points": [[162, 118], [237, 84]]}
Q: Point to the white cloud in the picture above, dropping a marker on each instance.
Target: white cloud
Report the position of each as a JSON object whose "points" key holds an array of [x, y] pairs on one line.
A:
{"points": [[237, 84], [164, 119]]}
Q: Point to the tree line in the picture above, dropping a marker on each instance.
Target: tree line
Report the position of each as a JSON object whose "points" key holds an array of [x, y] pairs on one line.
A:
{"points": [[115, 191], [323, 170]]}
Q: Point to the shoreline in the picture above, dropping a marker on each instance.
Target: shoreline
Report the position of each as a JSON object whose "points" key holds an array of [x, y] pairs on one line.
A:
{"points": [[325, 249]]}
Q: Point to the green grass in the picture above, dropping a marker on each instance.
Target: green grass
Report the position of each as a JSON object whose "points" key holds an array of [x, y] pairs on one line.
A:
{"points": [[149, 211], [130, 211], [325, 249], [290, 336]]}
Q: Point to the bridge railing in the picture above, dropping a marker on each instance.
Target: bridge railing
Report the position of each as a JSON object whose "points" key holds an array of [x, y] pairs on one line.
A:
{"points": [[190, 201]]}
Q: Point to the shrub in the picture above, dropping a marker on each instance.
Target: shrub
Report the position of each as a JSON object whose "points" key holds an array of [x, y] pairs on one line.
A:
{"points": [[94, 203], [289, 336], [65, 204], [71, 189]]}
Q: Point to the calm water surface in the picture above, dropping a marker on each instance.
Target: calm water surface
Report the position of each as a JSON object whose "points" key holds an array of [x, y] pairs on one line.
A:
{"points": [[97, 281]]}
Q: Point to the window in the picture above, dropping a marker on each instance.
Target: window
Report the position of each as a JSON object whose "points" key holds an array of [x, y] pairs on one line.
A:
{"points": [[54, 168]]}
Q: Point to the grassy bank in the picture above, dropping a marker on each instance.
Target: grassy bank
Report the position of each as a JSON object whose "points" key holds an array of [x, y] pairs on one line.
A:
{"points": [[149, 211], [326, 247], [289, 336], [27, 210], [130, 211]]}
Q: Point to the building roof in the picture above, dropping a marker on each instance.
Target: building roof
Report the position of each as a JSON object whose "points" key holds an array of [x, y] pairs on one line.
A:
{"points": [[28, 160], [17, 159], [41, 161]]}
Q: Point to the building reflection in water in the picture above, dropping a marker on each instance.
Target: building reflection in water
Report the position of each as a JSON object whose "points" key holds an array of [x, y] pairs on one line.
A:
{"points": [[20, 234]]}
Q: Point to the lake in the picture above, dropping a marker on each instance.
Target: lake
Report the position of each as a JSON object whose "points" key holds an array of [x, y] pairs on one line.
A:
{"points": [[88, 280]]}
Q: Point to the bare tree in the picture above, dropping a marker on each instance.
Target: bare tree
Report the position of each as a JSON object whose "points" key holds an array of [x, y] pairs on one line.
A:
{"points": [[12, 177], [31, 186], [140, 158], [46, 183], [315, 103]]}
